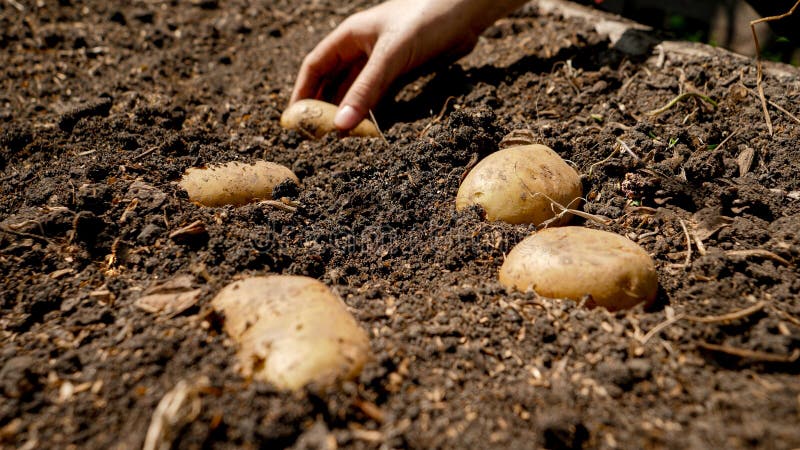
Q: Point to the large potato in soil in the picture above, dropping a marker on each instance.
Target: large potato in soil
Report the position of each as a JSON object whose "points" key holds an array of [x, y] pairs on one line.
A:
{"points": [[292, 331], [234, 183], [315, 118], [572, 262], [513, 185]]}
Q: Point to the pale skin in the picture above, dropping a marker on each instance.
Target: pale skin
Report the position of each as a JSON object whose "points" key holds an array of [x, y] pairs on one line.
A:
{"points": [[367, 52]]}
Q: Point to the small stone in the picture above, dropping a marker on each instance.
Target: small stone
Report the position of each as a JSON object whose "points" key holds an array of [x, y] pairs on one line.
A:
{"points": [[149, 234]]}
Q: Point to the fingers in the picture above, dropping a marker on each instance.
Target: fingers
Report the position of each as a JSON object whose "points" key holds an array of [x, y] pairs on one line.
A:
{"points": [[344, 82], [330, 56], [367, 89]]}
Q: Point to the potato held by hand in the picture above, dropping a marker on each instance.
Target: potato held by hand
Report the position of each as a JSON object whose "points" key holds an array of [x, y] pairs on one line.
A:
{"points": [[571, 262], [292, 331], [315, 118], [516, 185], [234, 183]]}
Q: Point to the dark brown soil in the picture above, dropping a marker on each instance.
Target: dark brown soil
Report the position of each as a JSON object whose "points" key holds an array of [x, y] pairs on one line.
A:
{"points": [[102, 107]]}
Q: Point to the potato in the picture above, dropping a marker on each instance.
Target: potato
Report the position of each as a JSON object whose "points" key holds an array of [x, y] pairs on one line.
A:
{"points": [[292, 331], [234, 183], [571, 262], [315, 118], [513, 185]]}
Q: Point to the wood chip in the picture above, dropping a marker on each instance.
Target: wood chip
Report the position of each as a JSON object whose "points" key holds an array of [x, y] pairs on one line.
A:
{"points": [[170, 298], [745, 160], [190, 232], [371, 410], [61, 272], [707, 222]]}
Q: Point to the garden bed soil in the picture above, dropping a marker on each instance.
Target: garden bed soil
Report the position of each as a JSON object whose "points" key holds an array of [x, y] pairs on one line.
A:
{"points": [[103, 106]]}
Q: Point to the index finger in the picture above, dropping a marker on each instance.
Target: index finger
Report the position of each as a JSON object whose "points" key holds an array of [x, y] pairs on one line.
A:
{"points": [[329, 57]]}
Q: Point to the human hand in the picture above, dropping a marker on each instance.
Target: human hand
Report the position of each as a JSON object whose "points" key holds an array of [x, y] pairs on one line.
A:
{"points": [[370, 49]]}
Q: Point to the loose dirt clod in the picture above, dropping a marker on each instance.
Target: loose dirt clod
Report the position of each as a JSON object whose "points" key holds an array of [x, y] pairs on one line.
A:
{"points": [[520, 185], [292, 331], [573, 262], [314, 118], [235, 183]]}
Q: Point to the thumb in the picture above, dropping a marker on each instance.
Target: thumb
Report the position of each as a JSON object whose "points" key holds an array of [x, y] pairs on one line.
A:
{"points": [[366, 90]]}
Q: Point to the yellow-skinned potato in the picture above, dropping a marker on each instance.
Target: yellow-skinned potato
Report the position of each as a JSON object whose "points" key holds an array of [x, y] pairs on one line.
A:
{"points": [[292, 331], [571, 262], [315, 118], [234, 183], [513, 185]]}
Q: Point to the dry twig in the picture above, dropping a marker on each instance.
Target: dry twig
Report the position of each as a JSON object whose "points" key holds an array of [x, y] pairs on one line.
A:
{"points": [[751, 354], [759, 68], [278, 205], [757, 252], [144, 153], [775, 105], [564, 209]]}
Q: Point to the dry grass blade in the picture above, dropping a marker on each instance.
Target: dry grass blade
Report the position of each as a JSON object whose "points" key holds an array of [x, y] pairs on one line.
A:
{"points": [[438, 117], [759, 68], [725, 141], [472, 162], [730, 317], [16, 5], [563, 209], [688, 243], [608, 158], [602, 220], [627, 149], [680, 98], [757, 252], [736, 315], [776, 106], [658, 328], [278, 205], [377, 127], [177, 408], [751, 354]]}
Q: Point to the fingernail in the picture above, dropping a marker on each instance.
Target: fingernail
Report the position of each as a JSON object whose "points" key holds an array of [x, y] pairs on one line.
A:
{"points": [[346, 118]]}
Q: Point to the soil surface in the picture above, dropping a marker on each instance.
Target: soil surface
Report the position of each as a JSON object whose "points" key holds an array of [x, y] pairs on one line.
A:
{"points": [[103, 106]]}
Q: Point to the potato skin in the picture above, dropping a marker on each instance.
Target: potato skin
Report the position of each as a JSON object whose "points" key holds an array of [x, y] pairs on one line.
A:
{"points": [[315, 118], [506, 184], [292, 331], [571, 262], [234, 183]]}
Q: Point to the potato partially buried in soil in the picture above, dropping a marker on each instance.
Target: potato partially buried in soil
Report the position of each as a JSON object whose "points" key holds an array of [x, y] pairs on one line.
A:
{"points": [[235, 183], [315, 119], [572, 262], [519, 185], [292, 331]]}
